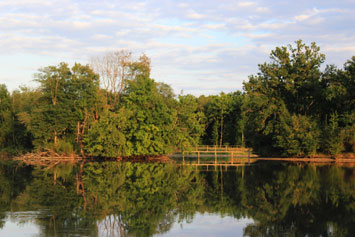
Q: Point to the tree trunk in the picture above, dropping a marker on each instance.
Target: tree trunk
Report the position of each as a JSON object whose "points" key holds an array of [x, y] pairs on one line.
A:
{"points": [[55, 138], [217, 135], [82, 150], [55, 177], [77, 131], [243, 139], [81, 135]]}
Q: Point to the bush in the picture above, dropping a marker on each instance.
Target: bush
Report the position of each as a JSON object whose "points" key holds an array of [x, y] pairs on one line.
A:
{"points": [[298, 137]]}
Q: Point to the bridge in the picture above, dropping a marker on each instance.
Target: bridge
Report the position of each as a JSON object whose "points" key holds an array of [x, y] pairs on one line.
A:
{"points": [[216, 156]]}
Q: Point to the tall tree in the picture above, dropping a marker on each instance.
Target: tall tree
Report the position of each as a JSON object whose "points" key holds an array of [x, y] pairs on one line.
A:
{"points": [[149, 129], [289, 85], [51, 117], [68, 101], [115, 69], [338, 110], [189, 122], [216, 111], [83, 98]]}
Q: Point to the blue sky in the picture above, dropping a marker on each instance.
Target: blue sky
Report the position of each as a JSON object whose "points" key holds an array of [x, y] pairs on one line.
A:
{"points": [[198, 47]]}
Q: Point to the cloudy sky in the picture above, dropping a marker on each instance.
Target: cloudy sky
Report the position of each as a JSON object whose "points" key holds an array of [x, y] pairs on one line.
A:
{"points": [[198, 46]]}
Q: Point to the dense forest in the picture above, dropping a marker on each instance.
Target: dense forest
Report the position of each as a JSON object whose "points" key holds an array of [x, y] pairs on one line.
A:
{"points": [[294, 106]]}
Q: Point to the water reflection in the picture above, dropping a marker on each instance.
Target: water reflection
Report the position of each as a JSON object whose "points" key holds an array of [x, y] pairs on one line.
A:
{"points": [[144, 199]]}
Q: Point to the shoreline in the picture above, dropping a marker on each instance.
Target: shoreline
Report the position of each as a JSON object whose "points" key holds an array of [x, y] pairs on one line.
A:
{"points": [[50, 157], [309, 160]]}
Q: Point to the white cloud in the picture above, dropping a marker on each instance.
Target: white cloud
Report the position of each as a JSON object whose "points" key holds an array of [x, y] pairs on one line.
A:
{"points": [[195, 15], [16, 3], [246, 4], [183, 5], [307, 15], [190, 42], [101, 37], [262, 10]]}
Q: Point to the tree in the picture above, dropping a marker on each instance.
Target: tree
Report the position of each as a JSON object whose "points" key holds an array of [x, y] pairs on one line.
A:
{"points": [[332, 141], [84, 101], [188, 123], [281, 94], [51, 116], [114, 69], [299, 136], [338, 109], [6, 118], [235, 120], [293, 75], [265, 118], [216, 111], [105, 137], [68, 102], [149, 129]]}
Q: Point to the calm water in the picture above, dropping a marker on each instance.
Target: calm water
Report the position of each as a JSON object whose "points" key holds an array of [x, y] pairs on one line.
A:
{"points": [[135, 199]]}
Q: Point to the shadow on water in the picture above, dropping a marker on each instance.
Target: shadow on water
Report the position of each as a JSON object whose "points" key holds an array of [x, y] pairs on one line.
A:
{"points": [[144, 199]]}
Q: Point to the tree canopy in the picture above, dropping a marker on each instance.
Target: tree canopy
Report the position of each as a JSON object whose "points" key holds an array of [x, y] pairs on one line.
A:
{"points": [[294, 106]]}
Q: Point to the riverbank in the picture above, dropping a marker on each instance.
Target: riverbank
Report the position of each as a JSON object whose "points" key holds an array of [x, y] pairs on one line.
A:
{"points": [[345, 157], [46, 157], [49, 157]]}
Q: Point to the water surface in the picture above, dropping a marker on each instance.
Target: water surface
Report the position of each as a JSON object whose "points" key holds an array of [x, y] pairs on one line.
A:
{"points": [[151, 199]]}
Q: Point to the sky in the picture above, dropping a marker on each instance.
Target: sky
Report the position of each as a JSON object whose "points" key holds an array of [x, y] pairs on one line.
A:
{"points": [[196, 46]]}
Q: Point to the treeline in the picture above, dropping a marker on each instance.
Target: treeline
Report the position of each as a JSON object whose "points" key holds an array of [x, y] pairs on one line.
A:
{"points": [[292, 107], [129, 115]]}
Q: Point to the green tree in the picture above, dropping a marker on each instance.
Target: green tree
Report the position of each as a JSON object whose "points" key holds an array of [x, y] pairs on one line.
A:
{"points": [[25, 100], [83, 100], [299, 136], [338, 109], [188, 123], [105, 137], [280, 96], [235, 121], [149, 129], [6, 118], [332, 141], [265, 118], [216, 112], [51, 117], [68, 101]]}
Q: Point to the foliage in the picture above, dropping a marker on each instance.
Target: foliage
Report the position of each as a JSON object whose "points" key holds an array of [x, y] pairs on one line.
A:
{"points": [[333, 138], [150, 126], [299, 137], [290, 103], [67, 102], [6, 122], [224, 119], [289, 108], [105, 137], [188, 122]]}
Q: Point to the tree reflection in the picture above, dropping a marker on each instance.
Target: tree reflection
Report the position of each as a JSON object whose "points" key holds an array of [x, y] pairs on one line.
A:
{"points": [[143, 199], [298, 200], [120, 198], [13, 181]]}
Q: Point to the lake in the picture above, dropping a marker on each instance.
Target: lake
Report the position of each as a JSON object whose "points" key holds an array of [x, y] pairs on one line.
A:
{"points": [[152, 199]]}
